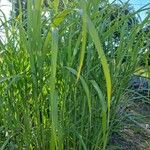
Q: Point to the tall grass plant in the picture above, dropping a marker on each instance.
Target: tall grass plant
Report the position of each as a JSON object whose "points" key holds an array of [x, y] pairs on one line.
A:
{"points": [[63, 76]]}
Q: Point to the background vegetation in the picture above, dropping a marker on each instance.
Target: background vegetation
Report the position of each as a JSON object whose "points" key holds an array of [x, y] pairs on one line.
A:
{"points": [[66, 69]]}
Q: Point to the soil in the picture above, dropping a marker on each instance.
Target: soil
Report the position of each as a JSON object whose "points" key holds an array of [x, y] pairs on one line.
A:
{"points": [[135, 131]]}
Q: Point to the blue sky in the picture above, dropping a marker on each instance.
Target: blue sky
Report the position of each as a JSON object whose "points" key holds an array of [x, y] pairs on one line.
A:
{"points": [[136, 3]]}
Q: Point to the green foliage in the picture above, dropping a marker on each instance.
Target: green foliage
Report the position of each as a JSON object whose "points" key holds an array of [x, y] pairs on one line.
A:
{"points": [[63, 76]]}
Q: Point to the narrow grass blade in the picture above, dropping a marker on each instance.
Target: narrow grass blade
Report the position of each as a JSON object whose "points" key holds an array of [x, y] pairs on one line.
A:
{"points": [[85, 87], [84, 40], [103, 59], [104, 113], [55, 135]]}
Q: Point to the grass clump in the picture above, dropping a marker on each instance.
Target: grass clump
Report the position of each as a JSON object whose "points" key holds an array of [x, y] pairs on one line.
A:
{"points": [[64, 72]]}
